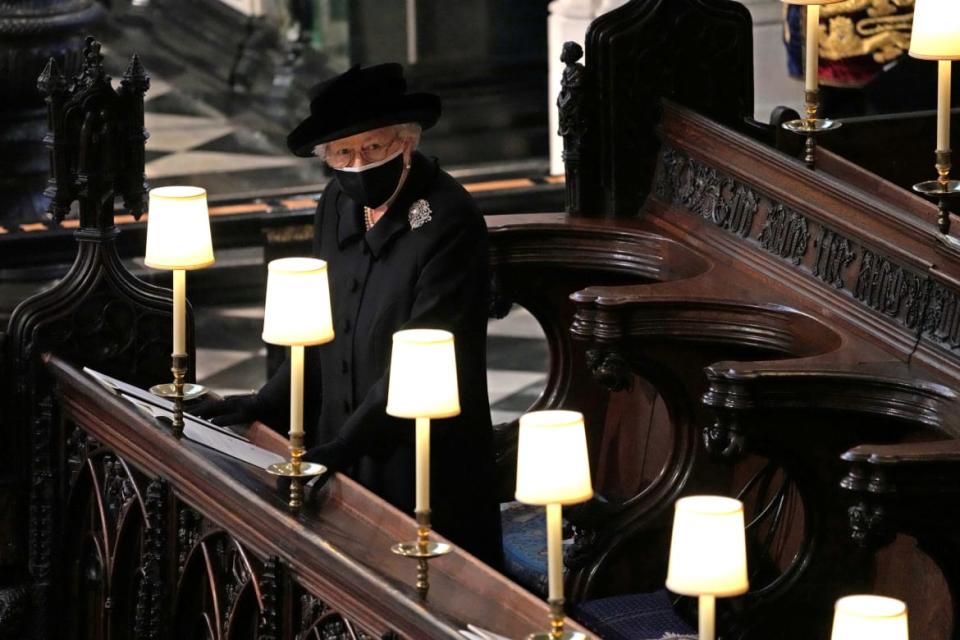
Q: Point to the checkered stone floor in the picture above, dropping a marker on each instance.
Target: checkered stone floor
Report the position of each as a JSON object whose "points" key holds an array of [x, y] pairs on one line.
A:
{"points": [[231, 357]]}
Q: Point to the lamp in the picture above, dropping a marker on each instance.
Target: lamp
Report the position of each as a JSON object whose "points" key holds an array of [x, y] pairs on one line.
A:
{"points": [[423, 385], [297, 314], [810, 126], [708, 554], [936, 36], [874, 617], [178, 239], [553, 470]]}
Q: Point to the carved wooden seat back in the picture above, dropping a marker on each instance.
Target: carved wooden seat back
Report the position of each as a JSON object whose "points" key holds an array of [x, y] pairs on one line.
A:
{"points": [[863, 351], [697, 52], [98, 315]]}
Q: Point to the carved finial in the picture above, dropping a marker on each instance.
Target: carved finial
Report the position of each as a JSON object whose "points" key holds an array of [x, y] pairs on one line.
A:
{"points": [[51, 81], [92, 59], [571, 52], [135, 78]]}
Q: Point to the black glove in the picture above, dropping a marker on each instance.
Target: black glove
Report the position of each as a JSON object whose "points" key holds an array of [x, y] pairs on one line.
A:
{"points": [[335, 456], [238, 409]]}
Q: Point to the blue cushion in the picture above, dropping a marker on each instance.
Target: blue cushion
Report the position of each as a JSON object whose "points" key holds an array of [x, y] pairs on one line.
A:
{"points": [[525, 545], [639, 616]]}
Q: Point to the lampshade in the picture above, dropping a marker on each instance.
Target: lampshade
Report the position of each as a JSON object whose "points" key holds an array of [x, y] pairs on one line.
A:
{"points": [[936, 30], [297, 310], [423, 375], [708, 551], [552, 462], [874, 617], [178, 229], [810, 1]]}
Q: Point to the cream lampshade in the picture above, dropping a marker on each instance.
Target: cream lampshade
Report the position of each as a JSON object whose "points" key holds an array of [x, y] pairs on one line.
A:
{"points": [[297, 311], [297, 314], [936, 30], [873, 617], [708, 553], [178, 229], [423, 375], [552, 462]]}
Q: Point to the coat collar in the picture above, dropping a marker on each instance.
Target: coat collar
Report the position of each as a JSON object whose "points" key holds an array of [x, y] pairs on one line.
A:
{"points": [[423, 172]]}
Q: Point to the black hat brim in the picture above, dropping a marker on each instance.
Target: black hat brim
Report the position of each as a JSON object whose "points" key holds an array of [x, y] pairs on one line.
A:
{"points": [[421, 108]]}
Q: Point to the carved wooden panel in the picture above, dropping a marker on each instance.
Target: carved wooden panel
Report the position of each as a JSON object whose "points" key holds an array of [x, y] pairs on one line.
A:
{"points": [[134, 561]]}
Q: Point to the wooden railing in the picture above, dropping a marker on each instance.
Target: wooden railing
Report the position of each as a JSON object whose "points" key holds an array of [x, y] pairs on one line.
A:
{"points": [[164, 538]]}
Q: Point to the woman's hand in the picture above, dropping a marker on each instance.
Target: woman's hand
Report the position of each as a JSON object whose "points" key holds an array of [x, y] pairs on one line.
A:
{"points": [[233, 410]]}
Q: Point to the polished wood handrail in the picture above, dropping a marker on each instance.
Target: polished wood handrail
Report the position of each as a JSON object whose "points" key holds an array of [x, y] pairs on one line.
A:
{"points": [[337, 549]]}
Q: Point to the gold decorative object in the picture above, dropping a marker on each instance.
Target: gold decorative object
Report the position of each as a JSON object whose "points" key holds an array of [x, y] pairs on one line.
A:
{"points": [[423, 385], [423, 550], [296, 470], [811, 126], [178, 239], [297, 314], [936, 36]]}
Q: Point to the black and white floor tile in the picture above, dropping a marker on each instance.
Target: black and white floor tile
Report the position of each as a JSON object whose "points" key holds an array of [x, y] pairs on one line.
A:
{"points": [[231, 358]]}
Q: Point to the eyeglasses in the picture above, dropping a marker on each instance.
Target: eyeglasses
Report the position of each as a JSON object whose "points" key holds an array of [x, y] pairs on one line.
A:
{"points": [[370, 152]]}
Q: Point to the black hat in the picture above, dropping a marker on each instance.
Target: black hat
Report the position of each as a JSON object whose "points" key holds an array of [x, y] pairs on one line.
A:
{"points": [[360, 100]]}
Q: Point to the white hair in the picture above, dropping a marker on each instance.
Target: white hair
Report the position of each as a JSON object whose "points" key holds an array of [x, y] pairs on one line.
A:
{"points": [[405, 131]]}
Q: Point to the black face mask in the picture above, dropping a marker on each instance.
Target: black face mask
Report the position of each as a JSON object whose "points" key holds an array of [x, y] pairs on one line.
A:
{"points": [[373, 184]]}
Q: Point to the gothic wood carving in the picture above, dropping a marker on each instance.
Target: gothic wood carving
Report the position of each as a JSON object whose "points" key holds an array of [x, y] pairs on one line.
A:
{"points": [[98, 315], [697, 52]]}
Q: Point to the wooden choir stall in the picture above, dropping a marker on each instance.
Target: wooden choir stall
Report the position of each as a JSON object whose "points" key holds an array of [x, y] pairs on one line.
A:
{"points": [[728, 320]]}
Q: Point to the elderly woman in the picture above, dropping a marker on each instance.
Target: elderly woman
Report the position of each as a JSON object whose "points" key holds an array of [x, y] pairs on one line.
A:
{"points": [[406, 248]]}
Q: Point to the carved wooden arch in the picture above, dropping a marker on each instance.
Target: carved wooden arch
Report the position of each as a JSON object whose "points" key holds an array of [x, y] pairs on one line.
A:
{"points": [[98, 315], [665, 334], [105, 530], [538, 262], [219, 584], [696, 52]]}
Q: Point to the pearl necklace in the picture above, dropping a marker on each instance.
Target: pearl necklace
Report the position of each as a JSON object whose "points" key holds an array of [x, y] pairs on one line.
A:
{"points": [[368, 217]]}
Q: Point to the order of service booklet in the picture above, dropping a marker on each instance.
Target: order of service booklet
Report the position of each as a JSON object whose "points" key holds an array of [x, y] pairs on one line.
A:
{"points": [[196, 429]]}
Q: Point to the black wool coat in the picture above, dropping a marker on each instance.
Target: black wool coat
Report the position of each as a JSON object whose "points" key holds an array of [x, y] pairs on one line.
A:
{"points": [[390, 278]]}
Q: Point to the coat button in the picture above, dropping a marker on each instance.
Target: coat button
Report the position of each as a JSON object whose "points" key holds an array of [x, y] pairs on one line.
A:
{"points": [[344, 367], [345, 325], [346, 406], [354, 285]]}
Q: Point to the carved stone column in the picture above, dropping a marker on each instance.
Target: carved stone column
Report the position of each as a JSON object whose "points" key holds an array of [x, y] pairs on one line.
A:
{"points": [[32, 32]]}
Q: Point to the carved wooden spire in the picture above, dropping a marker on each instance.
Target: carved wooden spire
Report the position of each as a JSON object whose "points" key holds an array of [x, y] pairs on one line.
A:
{"points": [[96, 140]]}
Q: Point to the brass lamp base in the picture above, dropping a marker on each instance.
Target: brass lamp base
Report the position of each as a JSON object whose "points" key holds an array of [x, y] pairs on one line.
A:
{"points": [[935, 188], [811, 126], [168, 390], [296, 470], [556, 626], [413, 550], [941, 188], [178, 391], [814, 126], [422, 550]]}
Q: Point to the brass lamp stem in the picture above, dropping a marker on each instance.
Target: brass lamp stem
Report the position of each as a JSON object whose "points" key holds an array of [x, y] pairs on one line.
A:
{"points": [[296, 458], [811, 106], [422, 550], [556, 618], [179, 369], [943, 165], [423, 543]]}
